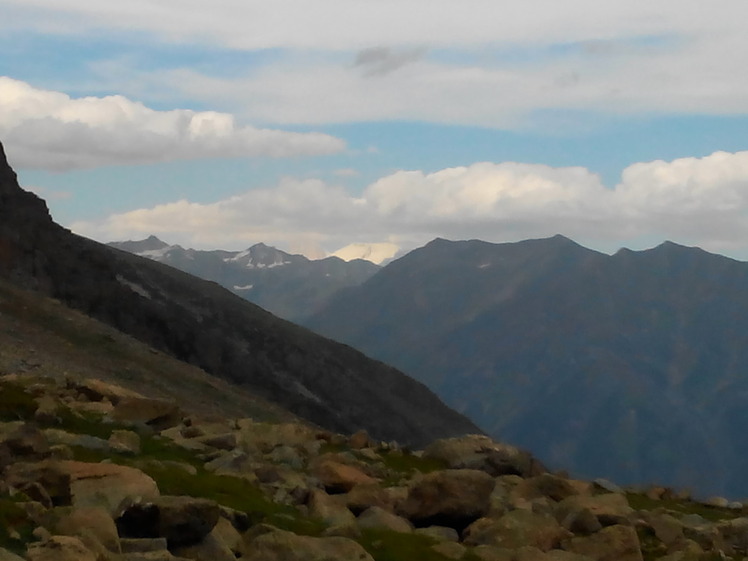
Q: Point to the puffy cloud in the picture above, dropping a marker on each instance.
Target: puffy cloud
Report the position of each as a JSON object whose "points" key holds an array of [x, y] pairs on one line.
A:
{"points": [[295, 213], [50, 130], [699, 201]]}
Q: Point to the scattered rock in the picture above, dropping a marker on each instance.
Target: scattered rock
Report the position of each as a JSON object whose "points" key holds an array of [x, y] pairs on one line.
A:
{"points": [[606, 485], [441, 533], [609, 508], [210, 548], [329, 510], [337, 477], [614, 543], [375, 517], [516, 529], [279, 545], [481, 453], [359, 440], [6, 555], [60, 548], [99, 390], [366, 495], [545, 485], [93, 521], [159, 414], [225, 441], [450, 550], [125, 442]]}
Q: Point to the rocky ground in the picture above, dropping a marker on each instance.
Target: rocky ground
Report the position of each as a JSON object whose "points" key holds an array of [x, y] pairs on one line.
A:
{"points": [[92, 471]]}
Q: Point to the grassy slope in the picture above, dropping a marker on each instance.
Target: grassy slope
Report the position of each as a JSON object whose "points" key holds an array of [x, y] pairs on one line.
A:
{"points": [[42, 336]]}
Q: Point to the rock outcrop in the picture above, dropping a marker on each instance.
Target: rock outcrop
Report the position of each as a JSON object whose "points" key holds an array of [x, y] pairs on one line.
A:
{"points": [[274, 495]]}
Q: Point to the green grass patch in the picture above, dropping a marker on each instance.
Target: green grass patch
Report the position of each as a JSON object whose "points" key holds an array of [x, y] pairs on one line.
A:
{"points": [[638, 501], [15, 527], [403, 463], [15, 403], [233, 492], [386, 545]]}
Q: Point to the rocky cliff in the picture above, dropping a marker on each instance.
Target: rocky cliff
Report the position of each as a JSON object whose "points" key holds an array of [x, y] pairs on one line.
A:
{"points": [[203, 324]]}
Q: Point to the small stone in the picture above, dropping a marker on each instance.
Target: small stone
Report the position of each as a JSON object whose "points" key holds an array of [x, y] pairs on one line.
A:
{"points": [[359, 440], [125, 442]]}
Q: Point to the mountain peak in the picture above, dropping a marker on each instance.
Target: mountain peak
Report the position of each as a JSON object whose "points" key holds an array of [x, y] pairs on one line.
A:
{"points": [[8, 178]]}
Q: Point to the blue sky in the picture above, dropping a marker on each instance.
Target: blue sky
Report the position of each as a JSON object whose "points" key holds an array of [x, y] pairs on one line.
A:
{"points": [[313, 125]]}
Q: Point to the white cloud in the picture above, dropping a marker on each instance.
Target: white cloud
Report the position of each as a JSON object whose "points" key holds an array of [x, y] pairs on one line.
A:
{"points": [[669, 75], [360, 24], [699, 201], [482, 63], [50, 130]]}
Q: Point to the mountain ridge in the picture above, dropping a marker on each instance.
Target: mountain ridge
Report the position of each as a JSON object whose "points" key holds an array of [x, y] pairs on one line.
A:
{"points": [[564, 350], [288, 285]]}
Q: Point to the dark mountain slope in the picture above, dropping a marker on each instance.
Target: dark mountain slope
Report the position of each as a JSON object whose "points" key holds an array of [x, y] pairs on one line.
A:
{"points": [[630, 366], [290, 286], [203, 324]]}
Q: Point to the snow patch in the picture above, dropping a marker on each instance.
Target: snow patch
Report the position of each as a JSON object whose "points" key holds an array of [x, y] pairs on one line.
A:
{"points": [[135, 287], [155, 254]]}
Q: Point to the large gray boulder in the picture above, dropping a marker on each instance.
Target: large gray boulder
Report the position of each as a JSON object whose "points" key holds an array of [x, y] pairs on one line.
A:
{"points": [[453, 498]]}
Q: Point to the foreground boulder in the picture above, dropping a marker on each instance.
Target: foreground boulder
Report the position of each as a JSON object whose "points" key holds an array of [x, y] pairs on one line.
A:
{"points": [[516, 529], [60, 548], [83, 484], [87, 523], [279, 545], [452, 498], [614, 543]]}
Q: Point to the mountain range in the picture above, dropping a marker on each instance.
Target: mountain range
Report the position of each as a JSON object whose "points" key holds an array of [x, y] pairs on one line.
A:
{"points": [[203, 324], [290, 286], [630, 366]]}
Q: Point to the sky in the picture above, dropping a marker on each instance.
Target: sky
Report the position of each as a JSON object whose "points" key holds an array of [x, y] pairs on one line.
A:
{"points": [[312, 125]]}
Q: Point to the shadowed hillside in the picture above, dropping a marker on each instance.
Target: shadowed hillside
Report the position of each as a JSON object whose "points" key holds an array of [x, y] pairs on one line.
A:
{"points": [[205, 325]]}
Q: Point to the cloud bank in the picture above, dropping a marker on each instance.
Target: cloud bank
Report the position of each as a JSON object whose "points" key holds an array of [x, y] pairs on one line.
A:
{"points": [[478, 63], [50, 130], [696, 201]]}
